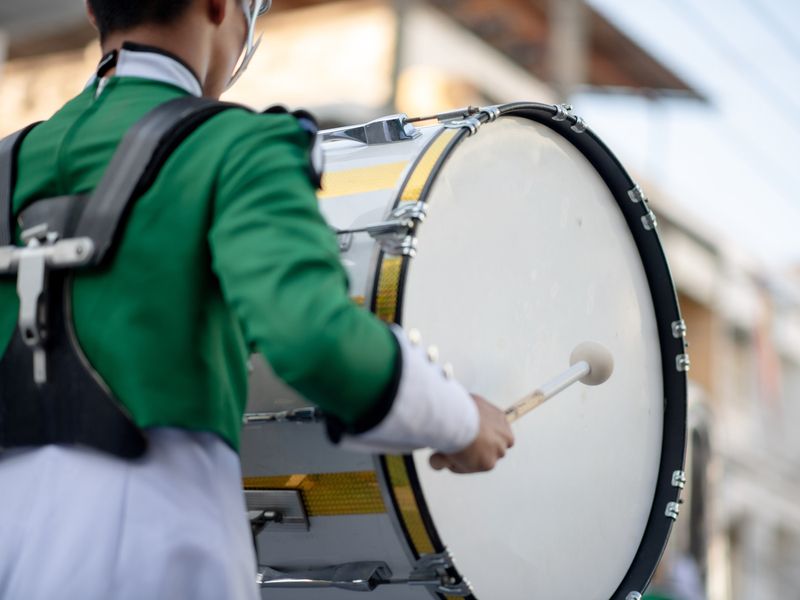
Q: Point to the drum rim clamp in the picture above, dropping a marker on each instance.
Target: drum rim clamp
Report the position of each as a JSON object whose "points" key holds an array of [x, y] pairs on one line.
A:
{"points": [[396, 236], [434, 571], [438, 571]]}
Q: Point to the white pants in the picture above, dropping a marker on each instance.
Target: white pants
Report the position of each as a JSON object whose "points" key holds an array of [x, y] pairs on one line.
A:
{"points": [[78, 524]]}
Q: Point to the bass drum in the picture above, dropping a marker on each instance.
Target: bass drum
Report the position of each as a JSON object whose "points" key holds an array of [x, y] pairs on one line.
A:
{"points": [[506, 236]]}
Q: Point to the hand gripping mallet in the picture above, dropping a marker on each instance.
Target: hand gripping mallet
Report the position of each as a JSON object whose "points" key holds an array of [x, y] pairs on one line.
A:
{"points": [[591, 364]]}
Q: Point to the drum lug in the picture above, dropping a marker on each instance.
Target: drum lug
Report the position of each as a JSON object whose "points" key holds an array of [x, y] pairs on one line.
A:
{"points": [[436, 570], [683, 363], [634, 596], [679, 479]]}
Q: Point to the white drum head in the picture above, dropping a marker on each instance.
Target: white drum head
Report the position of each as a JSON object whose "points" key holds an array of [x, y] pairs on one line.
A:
{"points": [[524, 255]]}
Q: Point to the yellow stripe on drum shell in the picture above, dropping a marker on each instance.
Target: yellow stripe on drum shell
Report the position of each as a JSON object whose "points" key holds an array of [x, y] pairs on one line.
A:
{"points": [[388, 288], [412, 191], [387, 296], [329, 494], [351, 182], [407, 505], [386, 303]]}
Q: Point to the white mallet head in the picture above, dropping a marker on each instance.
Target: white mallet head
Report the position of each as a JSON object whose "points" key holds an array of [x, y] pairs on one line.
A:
{"points": [[601, 363]]}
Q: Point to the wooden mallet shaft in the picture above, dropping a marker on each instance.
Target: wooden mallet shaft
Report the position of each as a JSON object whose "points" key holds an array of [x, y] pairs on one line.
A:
{"points": [[591, 363]]}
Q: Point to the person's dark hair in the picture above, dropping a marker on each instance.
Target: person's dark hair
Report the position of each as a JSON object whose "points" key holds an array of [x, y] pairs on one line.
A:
{"points": [[119, 15]]}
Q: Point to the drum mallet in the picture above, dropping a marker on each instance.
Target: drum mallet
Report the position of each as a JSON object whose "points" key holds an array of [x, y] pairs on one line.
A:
{"points": [[591, 364]]}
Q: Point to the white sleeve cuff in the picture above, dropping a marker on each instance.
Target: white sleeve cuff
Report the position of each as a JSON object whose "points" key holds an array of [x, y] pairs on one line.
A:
{"points": [[429, 410]]}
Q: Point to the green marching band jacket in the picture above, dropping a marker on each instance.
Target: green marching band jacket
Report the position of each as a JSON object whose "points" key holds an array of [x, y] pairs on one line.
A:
{"points": [[225, 254]]}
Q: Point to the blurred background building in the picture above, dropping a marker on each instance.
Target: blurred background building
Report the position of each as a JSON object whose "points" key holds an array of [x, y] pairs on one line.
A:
{"points": [[352, 60]]}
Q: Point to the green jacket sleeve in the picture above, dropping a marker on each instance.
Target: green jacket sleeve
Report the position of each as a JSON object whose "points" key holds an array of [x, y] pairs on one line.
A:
{"points": [[278, 264]]}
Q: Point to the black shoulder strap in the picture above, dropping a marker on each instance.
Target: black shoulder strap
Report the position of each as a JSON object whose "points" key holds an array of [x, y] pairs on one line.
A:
{"points": [[135, 165], [9, 147]]}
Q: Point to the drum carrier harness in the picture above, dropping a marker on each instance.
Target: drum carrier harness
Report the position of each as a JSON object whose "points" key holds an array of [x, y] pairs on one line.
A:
{"points": [[49, 392]]}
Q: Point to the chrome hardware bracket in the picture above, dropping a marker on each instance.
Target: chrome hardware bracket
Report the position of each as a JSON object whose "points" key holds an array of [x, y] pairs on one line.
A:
{"points": [[580, 125], [634, 596], [396, 235], [386, 130], [310, 414], [282, 509], [492, 112], [563, 112], [673, 510], [679, 329], [345, 241], [259, 519], [473, 124], [354, 577], [683, 363], [431, 570], [679, 479], [32, 263], [649, 221], [636, 194]]}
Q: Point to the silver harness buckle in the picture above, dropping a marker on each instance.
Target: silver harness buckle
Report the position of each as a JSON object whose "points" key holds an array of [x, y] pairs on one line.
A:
{"points": [[32, 263]]}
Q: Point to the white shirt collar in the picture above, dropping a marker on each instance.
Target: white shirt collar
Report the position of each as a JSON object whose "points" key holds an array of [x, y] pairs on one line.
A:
{"points": [[136, 61]]}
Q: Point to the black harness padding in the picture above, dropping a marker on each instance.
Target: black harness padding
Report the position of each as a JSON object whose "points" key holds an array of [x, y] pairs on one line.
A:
{"points": [[75, 406], [9, 147], [58, 214], [135, 165]]}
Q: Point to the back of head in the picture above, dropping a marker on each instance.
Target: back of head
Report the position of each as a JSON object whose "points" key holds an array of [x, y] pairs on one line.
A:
{"points": [[120, 15]]}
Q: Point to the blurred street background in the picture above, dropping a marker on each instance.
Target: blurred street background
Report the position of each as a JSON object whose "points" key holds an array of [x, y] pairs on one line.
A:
{"points": [[699, 100]]}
